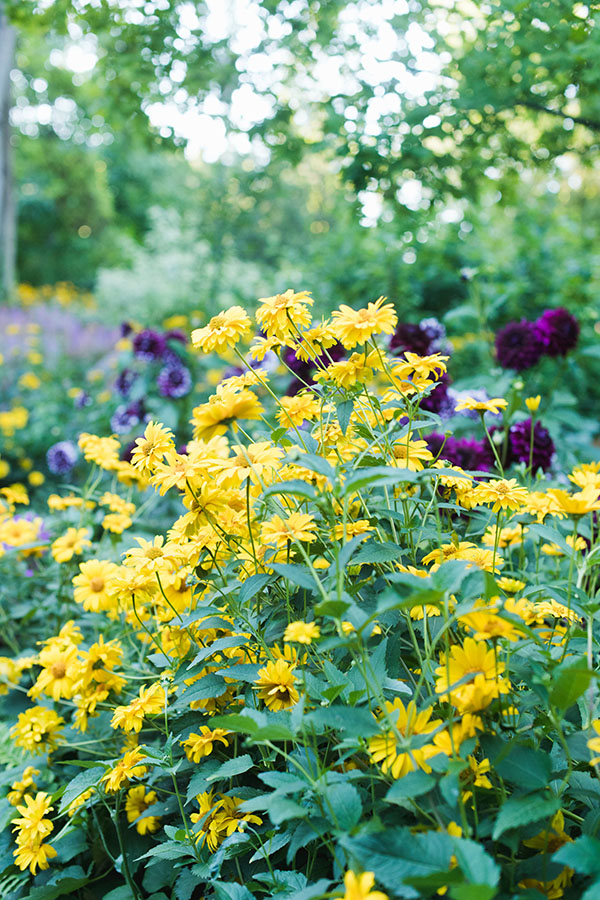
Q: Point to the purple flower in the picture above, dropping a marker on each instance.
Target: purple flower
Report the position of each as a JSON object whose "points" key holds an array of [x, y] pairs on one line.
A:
{"points": [[438, 401], [518, 345], [82, 399], [61, 457], [412, 337], [124, 381], [125, 328], [175, 335], [558, 330], [464, 452], [125, 418], [519, 438], [303, 369], [174, 381], [149, 345]]}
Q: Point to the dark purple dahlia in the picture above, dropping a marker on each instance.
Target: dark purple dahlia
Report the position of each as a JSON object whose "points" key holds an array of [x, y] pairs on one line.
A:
{"points": [[61, 457], [519, 438], [176, 335], [125, 328], [174, 381], [464, 452], [438, 400], [558, 331], [412, 337], [124, 381], [149, 345], [125, 418], [518, 345]]}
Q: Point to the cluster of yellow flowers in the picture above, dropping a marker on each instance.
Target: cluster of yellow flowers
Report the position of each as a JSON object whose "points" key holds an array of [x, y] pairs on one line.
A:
{"points": [[340, 468]]}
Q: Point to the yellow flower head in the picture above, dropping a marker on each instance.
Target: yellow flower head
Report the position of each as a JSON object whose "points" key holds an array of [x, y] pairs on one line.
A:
{"points": [[223, 331], [70, 544], [408, 722], [494, 405], [301, 632], [282, 315], [358, 887], [136, 804], [275, 685], [296, 527], [356, 326]]}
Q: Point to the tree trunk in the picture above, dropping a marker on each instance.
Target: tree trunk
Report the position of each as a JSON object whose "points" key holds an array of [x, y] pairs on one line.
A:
{"points": [[8, 230]]}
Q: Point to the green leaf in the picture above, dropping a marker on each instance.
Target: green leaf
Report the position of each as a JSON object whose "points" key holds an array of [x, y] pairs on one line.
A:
{"points": [[355, 720], [60, 884], [121, 893], [518, 811], [224, 643], [298, 575], [378, 475], [333, 608], [169, 850], [253, 586], [477, 866], [472, 892], [525, 767], [570, 679], [231, 891], [396, 855], [283, 782], [78, 785], [343, 800], [592, 893], [281, 809], [344, 412], [375, 552], [583, 855], [412, 785], [204, 689], [232, 767], [294, 486]]}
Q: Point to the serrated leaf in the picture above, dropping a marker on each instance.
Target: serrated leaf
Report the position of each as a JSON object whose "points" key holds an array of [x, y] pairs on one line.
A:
{"points": [[583, 855], [298, 575], [343, 800], [477, 866], [232, 767], [396, 855], [375, 552], [412, 785], [525, 767], [78, 785], [519, 811]]}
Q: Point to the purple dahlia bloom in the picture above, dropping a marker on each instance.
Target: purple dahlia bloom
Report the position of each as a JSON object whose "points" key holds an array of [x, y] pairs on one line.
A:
{"points": [[464, 452], [149, 345], [125, 418], [124, 381], [412, 337], [174, 381], [519, 438], [125, 329], [438, 400], [518, 345], [558, 331], [61, 457], [176, 335]]}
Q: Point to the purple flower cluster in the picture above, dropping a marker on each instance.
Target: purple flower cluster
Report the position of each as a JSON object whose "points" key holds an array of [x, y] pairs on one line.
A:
{"points": [[125, 417], [61, 457], [304, 369], [467, 453], [424, 338], [473, 455], [174, 381], [519, 345]]}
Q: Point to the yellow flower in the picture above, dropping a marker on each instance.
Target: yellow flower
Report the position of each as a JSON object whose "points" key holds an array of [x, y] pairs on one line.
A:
{"points": [[297, 527], [92, 585], [346, 531], [223, 408], [223, 331], [533, 403], [501, 494], [302, 632], [510, 585], [410, 454], [151, 448], [220, 818], [150, 701], [356, 326], [199, 745], [70, 544], [275, 685], [477, 668], [116, 523], [60, 670], [104, 451], [33, 855], [493, 405], [126, 768], [303, 407], [576, 504], [258, 461], [136, 804], [407, 722], [37, 729], [23, 786], [358, 887], [284, 314], [35, 478]]}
